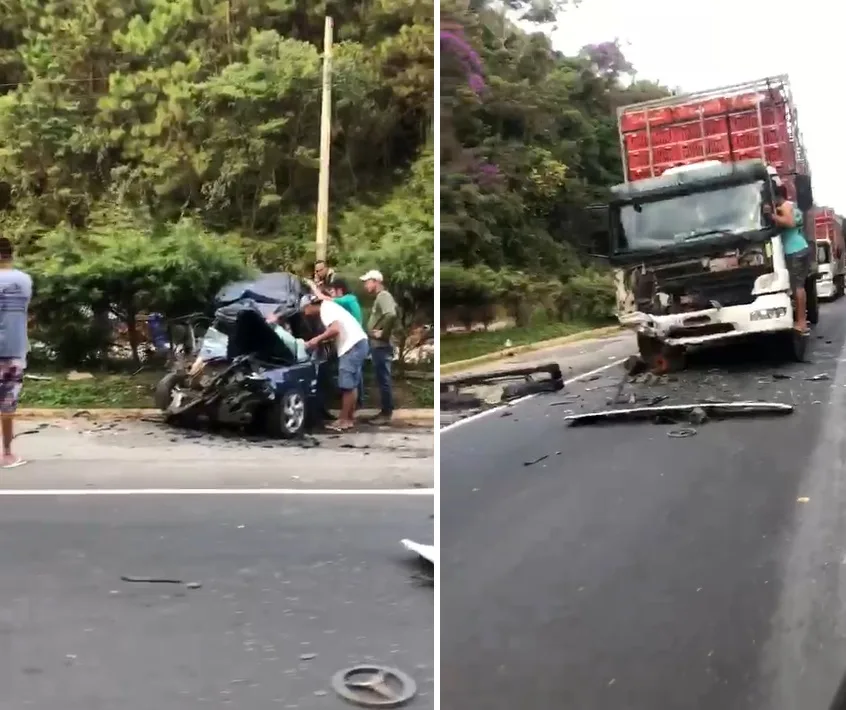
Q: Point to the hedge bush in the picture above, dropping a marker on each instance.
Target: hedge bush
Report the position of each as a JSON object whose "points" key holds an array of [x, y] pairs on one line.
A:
{"points": [[473, 295]]}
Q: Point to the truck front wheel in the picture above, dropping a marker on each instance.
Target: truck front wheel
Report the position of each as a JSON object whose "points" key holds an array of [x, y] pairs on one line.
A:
{"points": [[659, 357], [813, 301]]}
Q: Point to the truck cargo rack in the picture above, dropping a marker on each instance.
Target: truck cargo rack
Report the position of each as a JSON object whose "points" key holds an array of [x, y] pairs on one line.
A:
{"points": [[777, 90]]}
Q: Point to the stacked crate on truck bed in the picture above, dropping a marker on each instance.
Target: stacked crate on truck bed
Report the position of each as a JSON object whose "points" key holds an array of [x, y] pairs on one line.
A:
{"points": [[755, 120]]}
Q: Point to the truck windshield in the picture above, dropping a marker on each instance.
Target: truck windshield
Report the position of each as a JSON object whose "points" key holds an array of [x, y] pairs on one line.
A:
{"points": [[663, 223]]}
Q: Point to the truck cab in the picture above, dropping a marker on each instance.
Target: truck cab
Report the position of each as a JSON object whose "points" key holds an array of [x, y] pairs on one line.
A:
{"points": [[698, 260]]}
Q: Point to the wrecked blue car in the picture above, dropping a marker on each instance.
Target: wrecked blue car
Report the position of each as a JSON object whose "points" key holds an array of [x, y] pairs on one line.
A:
{"points": [[243, 371]]}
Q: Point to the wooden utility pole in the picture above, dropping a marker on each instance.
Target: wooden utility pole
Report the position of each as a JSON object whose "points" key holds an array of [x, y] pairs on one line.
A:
{"points": [[325, 146]]}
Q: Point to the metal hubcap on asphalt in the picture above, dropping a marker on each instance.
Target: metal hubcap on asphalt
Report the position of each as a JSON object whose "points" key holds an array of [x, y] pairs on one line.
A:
{"points": [[374, 686], [294, 411]]}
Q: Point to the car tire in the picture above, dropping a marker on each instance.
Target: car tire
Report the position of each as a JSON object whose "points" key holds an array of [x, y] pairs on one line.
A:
{"points": [[812, 299], [451, 401], [516, 390], [164, 390], [288, 415]]}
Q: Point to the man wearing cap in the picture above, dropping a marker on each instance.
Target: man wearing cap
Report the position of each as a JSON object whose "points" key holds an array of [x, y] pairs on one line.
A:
{"points": [[380, 326], [351, 344]]}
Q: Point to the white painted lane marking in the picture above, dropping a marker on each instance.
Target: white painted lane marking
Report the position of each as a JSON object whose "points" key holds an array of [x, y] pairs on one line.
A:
{"points": [[11, 492], [488, 412]]}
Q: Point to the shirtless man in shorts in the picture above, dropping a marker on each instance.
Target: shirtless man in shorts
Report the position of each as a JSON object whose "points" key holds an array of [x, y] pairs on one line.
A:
{"points": [[15, 295]]}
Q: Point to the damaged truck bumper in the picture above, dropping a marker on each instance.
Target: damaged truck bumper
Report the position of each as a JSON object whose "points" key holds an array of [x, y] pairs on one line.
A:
{"points": [[768, 313]]}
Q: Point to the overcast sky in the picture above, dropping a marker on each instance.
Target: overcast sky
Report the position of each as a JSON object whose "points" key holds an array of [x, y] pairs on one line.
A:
{"points": [[719, 42]]}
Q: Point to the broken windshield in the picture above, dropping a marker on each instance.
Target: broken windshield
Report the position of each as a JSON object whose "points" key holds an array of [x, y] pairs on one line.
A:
{"points": [[646, 226]]}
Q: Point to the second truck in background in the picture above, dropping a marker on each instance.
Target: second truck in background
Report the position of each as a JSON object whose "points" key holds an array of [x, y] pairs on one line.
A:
{"points": [[831, 254]]}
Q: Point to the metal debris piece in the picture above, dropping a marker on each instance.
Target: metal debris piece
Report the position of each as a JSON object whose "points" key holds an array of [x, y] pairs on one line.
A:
{"points": [[698, 416], [657, 399], [161, 580], [565, 400], [427, 552], [803, 499], [372, 686], [553, 369], [151, 580], [684, 433], [679, 410], [781, 376], [823, 376], [532, 463]]}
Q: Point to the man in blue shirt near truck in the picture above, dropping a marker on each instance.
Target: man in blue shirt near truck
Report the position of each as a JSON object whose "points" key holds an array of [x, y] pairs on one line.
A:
{"points": [[797, 252]]}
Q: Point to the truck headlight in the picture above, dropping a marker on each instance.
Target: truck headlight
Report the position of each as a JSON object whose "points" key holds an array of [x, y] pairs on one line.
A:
{"points": [[768, 313], [765, 282]]}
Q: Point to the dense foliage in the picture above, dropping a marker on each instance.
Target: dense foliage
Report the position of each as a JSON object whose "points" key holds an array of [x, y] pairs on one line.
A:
{"points": [[529, 140], [162, 111]]}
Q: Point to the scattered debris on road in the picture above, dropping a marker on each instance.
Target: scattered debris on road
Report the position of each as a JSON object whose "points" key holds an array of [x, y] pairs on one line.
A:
{"points": [[427, 552], [682, 433], [708, 409], [822, 377], [532, 463], [160, 580], [803, 499], [452, 398], [372, 686]]}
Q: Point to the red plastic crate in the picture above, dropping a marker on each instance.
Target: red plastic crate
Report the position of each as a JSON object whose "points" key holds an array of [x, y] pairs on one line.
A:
{"points": [[718, 129]]}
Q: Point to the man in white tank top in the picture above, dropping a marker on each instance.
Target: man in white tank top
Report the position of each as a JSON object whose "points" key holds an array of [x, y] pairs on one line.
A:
{"points": [[350, 341]]}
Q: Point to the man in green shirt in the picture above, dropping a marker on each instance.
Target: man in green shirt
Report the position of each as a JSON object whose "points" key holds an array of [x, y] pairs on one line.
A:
{"points": [[339, 292], [380, 327]]}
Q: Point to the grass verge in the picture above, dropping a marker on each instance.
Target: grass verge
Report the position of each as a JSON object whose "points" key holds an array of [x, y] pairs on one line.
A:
{"points": [[455, 347], [127, 391]]}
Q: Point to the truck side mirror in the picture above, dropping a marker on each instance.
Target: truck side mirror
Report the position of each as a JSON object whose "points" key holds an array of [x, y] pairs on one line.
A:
{"points": [[804, 193], [598, 242]]}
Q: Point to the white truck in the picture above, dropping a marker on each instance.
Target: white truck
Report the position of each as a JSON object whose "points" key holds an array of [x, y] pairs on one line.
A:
{"points": [[698, 259], [831, 254]]}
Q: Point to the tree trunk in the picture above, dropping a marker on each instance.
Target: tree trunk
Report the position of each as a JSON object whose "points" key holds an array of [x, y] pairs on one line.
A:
{"points": [[132, 334]]}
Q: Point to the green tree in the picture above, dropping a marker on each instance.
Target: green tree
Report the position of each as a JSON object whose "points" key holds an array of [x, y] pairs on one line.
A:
{"points": [[529, 140]]}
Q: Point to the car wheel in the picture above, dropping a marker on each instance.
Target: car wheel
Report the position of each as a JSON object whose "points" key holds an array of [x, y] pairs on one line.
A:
{"points": [[163, 395], [288, 417]]}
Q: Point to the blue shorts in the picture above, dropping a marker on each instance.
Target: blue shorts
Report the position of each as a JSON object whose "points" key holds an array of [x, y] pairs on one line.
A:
{"points": [[350, 366]]}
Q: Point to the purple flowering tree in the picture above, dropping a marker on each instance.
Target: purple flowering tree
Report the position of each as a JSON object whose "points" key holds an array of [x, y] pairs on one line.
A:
{"points": [[455, 47]]}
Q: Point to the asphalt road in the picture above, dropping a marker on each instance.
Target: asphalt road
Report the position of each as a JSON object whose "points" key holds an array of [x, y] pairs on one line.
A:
{"points": [[629, 569], [298, 579]]}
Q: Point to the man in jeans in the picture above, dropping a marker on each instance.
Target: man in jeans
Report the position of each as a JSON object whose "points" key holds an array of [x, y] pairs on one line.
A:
{"points": [[380, 325], [351, 343], [15, 295]]}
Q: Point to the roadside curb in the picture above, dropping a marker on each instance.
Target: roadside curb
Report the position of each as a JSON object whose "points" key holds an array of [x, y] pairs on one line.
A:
{"points": [[595, 334], [403, 418]]}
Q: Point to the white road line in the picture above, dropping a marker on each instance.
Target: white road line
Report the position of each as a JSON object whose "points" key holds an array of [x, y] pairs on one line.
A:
{"points": [[12, 492], [488, 412]]}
